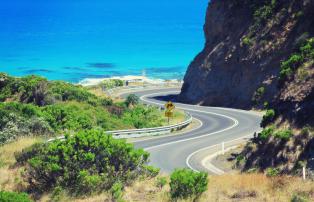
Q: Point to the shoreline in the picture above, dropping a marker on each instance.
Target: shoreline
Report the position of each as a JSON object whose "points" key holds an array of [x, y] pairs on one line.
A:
{"points": [[129, 78]]}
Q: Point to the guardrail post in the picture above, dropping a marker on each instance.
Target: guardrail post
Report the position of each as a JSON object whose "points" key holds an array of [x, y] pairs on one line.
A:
{"points": [[304, 173]]}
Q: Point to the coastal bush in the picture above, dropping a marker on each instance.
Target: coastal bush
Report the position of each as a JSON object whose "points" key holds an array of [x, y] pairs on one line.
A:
{"points": [[35, 106], [132, 99], [28, 153], [263, 12], [117, 191], [112, 83], [247, 41], [161, 182], [290, 65], [266, 133], [89, 161], [185, 183], [240, 159], [17, 120], [300, 198], [142, 117], [284, 134], [151, 171], [268, 117], [14, 197], [272, 172], [67, 92], [259, 93], [306, 53]]}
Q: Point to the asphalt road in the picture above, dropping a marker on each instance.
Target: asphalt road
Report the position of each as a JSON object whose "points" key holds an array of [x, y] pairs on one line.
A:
{"points": [[218, 125]]}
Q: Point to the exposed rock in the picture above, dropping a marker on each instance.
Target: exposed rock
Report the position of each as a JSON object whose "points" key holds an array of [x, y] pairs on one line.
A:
{"points": [[241, 55]]}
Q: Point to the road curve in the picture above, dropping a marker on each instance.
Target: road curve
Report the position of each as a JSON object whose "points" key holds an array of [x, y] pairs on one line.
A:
{"points": [[218, 125]]}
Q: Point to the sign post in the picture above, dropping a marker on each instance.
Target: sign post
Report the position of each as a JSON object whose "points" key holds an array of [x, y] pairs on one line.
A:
{"points": [[169, 110]]}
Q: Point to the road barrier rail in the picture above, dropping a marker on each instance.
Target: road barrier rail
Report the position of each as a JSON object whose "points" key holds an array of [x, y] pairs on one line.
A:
{"points": [[134, 133], [145, 132]]}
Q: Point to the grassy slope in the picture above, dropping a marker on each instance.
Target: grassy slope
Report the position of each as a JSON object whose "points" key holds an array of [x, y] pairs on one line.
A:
{"points": [[238, 187]]}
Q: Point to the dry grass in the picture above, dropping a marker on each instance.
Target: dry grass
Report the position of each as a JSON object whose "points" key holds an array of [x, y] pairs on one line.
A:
{"points": [[11, 177], [226, 188]]}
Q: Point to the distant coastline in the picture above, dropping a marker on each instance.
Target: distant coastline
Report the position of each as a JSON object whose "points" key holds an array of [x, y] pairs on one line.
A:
{"points": [[144, 79]]}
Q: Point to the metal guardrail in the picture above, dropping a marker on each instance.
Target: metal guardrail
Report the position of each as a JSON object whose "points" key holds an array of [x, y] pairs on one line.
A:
{"points": [[151, 131], [133, 133]]}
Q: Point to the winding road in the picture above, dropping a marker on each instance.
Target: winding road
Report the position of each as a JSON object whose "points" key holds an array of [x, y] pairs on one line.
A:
{"points": [[190, 148]]}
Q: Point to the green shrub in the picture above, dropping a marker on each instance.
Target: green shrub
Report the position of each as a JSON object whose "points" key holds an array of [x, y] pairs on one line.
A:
{"points": [[263, 13], [89, 161], [259, 93], [151, 171], [266, 133], [299, 198], [67, 91], [57, 194], [247, 41], [268, 117], [28, 153], [141, 117], [112, 83], [272, 172], [88, 183], [161, 182], [185, 183], [13, 197], [289, 66], [284, 134], [132, 100], [306, 53], [117, 191], [239, 160], [73, 109]]}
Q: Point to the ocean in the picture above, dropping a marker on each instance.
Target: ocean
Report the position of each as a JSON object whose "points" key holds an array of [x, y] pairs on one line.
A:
{"points": [[76, 39]]}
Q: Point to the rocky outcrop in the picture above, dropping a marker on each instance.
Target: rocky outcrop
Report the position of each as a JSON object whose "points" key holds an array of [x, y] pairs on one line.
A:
{"points": [[246, 41]]}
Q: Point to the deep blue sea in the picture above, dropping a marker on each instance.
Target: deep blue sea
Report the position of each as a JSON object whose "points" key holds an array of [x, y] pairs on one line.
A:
{"points": [[76, 39]]}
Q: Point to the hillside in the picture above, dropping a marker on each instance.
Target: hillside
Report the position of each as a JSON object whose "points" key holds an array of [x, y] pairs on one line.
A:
{"points": [[32, 105], [246, 42], [260, 54]]}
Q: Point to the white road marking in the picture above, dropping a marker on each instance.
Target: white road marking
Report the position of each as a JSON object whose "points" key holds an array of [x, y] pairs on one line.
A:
{"points": [[205, 148], [236, 122]]}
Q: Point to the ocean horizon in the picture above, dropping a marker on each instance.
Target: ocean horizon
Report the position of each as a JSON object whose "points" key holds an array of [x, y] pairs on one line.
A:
{"points": [[74, 39]]}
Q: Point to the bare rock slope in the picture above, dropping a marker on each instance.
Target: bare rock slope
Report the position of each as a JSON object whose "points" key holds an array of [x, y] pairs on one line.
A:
{"points": [[241, 64]]}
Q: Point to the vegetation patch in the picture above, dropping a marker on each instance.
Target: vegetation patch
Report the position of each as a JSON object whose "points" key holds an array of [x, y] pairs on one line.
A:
{"points": [[112, 83], [185, 183], [268, 117], [266, 133], [14, 197], [87, 162], [272, 172], [258, 95], [283, 134], [296, 60], [35, 106]]}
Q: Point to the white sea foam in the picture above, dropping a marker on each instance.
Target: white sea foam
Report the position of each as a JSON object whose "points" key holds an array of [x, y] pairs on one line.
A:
{"points": [[96, 81]]}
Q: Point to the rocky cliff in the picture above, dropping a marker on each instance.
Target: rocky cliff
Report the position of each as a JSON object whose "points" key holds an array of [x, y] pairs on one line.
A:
{"points": [[241, 65], [260, 54]]}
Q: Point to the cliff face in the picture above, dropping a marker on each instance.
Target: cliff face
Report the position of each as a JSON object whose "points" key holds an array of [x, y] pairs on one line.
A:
{"points": [[246, 42]]}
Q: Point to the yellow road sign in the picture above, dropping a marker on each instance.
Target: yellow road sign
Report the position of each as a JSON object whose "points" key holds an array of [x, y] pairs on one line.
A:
{"points": [[170, 106]]}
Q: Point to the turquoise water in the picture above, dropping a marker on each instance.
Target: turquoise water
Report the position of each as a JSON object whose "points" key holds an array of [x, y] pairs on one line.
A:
{"points": [[76, 39]]}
